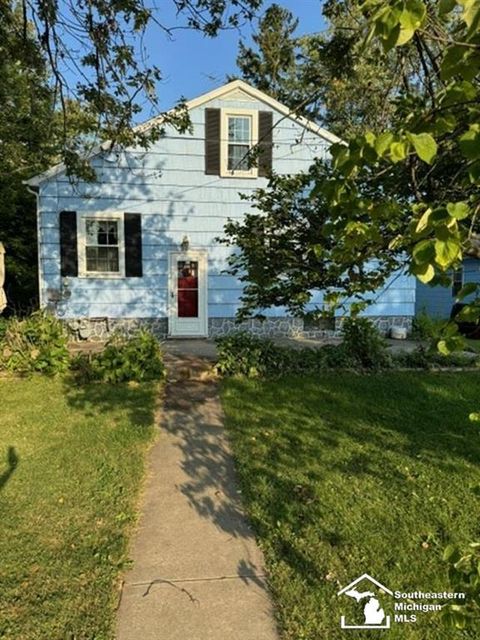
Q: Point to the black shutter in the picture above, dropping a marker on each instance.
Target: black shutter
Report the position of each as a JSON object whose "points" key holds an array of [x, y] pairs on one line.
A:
{"points": [[68, 244], [212, 141], [265, 142], [133, 245]]}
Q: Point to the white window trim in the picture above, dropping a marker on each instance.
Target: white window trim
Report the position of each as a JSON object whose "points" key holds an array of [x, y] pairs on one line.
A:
{"points": [[81, 245], [229, 113]]}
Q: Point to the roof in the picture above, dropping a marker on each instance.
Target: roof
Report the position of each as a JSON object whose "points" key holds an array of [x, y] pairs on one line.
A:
{"points": [[236, 86]]}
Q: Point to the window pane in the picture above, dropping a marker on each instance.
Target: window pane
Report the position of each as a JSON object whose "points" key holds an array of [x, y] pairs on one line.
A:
{"points": [[238, 159], [101, 232], [187, 289], [239, 129], [102, 259]]}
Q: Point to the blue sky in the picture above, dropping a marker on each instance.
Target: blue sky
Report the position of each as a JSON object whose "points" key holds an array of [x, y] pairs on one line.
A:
{"points": [[192, 64]]}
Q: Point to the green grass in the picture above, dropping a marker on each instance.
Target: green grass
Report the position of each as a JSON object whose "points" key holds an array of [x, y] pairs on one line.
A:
{"points": [[71, 463], [345, 474]]}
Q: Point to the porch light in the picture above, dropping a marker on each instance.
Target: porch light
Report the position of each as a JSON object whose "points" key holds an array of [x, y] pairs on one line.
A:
{"points": [[185, 244]]}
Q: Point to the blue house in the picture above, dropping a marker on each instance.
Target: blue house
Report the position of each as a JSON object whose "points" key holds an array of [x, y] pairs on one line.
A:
{"points": [[139, 246], [437, 302]]}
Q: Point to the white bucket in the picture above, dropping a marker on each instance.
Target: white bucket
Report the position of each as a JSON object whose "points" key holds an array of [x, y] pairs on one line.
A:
{"points": [[398, 333]]}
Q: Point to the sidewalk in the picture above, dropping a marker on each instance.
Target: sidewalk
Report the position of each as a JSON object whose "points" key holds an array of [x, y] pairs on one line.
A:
{"points": [[197, 572]]}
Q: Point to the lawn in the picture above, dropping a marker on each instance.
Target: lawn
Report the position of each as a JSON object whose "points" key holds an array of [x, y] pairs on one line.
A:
{"points": [[71, 464], [344, 474]]}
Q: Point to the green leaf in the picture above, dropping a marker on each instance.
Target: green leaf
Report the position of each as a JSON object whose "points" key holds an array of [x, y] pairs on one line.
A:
{"points": [[423, 222], [383, 142], [445, 6], [467, 290], [469, 143], [425, 146], [411, 19], [458, 210], [446, 252], [424, 272], [424, 251], [471, 13], [398, 151]]}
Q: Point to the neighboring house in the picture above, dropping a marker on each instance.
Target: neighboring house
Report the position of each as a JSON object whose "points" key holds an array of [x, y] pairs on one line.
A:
{"points": [[139, 246], [437, 302]]}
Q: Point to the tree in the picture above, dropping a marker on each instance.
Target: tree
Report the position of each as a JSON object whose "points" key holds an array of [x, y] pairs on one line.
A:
{"points": [[27, 145], [101, 42], [271, 67], [324, 76], [406, 197]]}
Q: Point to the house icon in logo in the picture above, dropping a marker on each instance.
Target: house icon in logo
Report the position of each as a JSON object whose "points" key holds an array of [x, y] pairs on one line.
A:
{"points": [[373, 612]]}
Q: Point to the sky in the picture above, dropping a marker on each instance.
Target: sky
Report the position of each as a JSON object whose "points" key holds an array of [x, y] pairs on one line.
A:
{"points": [[192, 64]]}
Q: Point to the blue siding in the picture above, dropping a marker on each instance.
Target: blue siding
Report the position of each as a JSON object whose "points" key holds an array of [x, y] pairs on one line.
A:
{"points": [[168, 186], [438, 301]]}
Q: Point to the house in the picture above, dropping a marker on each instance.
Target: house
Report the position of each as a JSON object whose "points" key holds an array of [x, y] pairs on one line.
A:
{"points": [[437, 302], [139, 246]]}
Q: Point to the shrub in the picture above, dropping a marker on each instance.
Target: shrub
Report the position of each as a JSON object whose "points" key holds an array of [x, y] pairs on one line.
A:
{"points": [[422, 358], [424, 327], [36, 343], [3, 328], [364, 345], [247, 355], [241, 353], [137, 358]]}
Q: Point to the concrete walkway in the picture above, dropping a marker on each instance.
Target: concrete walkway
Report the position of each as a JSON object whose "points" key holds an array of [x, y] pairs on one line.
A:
{"points": [[197, 572]]}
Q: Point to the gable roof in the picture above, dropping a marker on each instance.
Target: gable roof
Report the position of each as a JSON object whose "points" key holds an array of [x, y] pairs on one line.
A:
{"points": [[237, 88]]}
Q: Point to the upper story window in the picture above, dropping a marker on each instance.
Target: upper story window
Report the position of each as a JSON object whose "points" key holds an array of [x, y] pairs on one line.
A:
{"points": [[239, 142], [239, 135], [101, 246]]}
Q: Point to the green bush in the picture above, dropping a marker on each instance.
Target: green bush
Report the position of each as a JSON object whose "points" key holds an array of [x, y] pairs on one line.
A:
{"points": [[241, 353], [422, 358], [3, 328], [364, 345], [137, 358], [424, 327], [37, 343], [247, 355]]}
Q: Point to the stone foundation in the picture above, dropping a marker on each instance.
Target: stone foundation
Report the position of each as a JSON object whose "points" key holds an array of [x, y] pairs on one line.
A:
{"points": [[103, 328], [267, 328]]}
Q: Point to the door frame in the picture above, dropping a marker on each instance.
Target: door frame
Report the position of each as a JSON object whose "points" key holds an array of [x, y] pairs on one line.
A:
{"points": [[200, 256]]}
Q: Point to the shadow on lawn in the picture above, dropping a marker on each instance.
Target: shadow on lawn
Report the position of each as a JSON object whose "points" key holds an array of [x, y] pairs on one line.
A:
{"points": [[138, 402], [311, 447], [12, 463]]}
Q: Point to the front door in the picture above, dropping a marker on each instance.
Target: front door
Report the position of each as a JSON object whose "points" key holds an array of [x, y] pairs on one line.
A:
{"points": [[188, 294]]}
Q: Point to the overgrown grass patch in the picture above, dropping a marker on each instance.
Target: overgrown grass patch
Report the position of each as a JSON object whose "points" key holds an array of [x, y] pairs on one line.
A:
{"points": [[71, 462], [344, 474]]}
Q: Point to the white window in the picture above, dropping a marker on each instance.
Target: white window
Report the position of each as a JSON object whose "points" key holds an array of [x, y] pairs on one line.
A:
{"points": [[101, 247], [239, 135]]}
